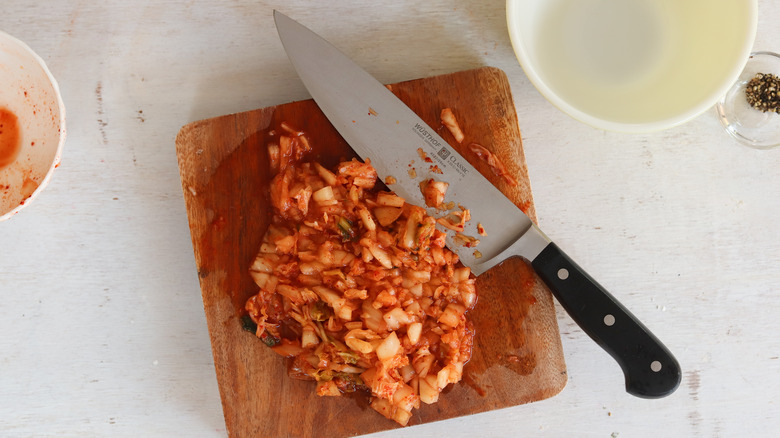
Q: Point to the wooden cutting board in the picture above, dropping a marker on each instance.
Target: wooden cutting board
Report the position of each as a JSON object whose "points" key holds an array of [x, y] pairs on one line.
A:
{"points": [[517, 356]]}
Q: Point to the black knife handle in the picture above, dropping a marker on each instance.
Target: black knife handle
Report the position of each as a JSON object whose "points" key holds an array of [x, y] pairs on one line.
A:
{"points": [[650, 369]]}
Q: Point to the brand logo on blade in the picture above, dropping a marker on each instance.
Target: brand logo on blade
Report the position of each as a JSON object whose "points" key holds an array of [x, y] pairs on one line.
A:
{"points": [[443, 156]]}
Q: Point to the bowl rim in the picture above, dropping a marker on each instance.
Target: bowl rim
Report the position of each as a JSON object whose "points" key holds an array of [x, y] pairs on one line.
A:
{"points": [[61, 107], [523, 57]]}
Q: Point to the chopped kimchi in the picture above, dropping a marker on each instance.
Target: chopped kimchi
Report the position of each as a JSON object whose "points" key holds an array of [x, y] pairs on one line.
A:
{"points": [[356, 287]]}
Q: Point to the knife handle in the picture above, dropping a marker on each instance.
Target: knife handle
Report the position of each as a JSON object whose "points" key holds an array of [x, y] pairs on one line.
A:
{"points": [[650, 369]]}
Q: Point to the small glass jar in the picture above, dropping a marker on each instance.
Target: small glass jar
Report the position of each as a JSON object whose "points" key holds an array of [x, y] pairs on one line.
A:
{"points": [[751, 126]]}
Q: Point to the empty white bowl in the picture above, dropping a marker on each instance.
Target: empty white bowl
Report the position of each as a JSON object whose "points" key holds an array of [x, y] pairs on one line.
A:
{"points": [[632, 65], [33, 131]]}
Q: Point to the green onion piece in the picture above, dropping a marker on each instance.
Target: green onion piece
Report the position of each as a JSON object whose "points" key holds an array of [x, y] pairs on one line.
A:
{"points": [[349, 357], [248, 325], [349, 382], [346, 228], [323, 375], [269, 339], [320, 311]]}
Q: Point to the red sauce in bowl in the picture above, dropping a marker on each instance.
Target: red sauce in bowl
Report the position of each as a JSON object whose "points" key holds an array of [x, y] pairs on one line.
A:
{"points": [[9, 137]]}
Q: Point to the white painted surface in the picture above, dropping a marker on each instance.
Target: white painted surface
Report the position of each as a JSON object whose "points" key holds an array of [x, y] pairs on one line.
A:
{"points": [[102, 331]]}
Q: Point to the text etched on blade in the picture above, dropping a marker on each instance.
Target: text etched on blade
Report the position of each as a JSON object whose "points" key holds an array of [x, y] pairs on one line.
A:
{"points": [[441, 152]]}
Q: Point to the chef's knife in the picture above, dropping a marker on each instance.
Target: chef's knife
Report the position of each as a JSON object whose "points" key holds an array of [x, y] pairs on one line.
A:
{"points": [[380, 127]]}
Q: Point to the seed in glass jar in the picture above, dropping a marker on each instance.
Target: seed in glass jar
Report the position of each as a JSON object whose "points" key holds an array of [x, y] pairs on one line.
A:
{"points": [[761, 92]]}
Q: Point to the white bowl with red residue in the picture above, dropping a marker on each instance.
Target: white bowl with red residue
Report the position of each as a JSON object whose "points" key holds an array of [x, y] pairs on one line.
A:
{"points": [[32, 125]]}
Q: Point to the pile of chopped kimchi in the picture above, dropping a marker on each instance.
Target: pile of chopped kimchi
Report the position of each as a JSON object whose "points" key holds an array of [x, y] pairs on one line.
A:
{"points": [[356, 286]]}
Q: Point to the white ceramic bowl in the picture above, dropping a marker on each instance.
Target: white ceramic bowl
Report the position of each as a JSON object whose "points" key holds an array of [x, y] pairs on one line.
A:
{"points": [[30, 93], [632, 65]]}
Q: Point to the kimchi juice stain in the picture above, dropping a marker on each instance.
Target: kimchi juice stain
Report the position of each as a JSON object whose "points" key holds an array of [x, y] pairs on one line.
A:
{"points": [[10, 143]]}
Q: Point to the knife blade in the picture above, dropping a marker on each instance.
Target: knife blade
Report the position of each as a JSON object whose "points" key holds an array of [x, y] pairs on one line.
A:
{"points": [[381, 128]]}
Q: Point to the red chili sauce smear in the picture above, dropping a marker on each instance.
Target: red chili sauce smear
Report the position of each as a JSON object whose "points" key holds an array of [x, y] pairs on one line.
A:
{"points": [[9, 137]]}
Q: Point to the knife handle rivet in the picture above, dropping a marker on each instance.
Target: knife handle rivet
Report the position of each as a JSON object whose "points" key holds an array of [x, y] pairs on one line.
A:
{"points": [[563, 273], [656, 366], [609, 320]]}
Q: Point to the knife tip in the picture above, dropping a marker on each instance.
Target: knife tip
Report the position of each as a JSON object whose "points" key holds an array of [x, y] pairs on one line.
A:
{"points": [[278, 15]]}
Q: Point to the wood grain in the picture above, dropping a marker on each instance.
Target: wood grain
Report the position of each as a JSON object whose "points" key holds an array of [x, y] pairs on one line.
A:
{"points": [[223, 164]]}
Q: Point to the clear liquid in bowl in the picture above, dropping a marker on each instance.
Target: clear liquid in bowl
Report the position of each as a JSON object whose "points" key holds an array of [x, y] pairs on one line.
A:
{"points": [[634, 61]]}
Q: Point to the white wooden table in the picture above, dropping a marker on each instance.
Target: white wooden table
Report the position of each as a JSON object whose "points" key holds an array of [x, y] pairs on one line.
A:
{"points": [[102, 330]]}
